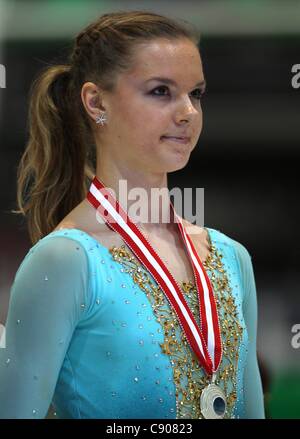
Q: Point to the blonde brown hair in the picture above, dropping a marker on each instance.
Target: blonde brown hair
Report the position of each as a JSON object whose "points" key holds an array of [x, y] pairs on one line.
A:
{"points": [[59, 160]]}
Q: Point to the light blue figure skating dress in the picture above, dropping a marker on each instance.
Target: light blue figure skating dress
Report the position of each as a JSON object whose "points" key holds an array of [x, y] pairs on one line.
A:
{"points": [[90, 330]]}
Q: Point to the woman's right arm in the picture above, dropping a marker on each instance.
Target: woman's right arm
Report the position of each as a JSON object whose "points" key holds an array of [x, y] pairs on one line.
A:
{"points": [[48, 298]]}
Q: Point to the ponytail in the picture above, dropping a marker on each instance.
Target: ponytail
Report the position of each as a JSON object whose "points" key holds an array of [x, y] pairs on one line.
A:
{"points": [[54, 172]]}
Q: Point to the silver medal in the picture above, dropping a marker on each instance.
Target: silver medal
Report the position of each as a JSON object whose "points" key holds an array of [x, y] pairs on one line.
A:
{"points": [[213, 402]]}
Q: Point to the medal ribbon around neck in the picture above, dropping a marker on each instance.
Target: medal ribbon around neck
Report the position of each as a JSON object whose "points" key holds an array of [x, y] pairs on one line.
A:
{"points": [[205, 340]]}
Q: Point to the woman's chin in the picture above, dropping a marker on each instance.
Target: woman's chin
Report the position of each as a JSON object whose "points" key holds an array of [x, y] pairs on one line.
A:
{"points": [[176, 162]]}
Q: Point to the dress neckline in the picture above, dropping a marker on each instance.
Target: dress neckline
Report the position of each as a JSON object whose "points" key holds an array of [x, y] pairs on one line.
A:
{"points": [[108, 249]]}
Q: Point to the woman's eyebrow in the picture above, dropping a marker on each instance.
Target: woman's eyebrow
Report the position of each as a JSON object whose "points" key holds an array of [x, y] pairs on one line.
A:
{"points": [[172, 82]]}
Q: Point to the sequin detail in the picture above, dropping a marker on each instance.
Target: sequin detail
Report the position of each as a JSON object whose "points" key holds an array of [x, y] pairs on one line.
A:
{"points": [[188, 375]]}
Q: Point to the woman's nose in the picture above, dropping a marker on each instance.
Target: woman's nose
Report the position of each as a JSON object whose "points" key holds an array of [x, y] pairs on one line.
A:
{"points": [[186, 110]]}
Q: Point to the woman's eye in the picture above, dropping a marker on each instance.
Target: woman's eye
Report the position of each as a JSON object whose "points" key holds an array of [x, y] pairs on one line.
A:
{"points": [[197, 94], [162, 87]]}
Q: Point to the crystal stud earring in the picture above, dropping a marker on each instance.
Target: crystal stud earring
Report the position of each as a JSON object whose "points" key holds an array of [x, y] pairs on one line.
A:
{"points": [[101, 119]]}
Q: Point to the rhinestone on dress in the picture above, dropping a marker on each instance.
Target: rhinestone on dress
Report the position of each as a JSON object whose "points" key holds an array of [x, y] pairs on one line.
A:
{"points": [[46, 277]]}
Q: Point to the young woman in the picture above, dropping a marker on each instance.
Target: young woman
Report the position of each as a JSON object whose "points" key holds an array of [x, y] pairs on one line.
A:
{"points": [[112, 319]]}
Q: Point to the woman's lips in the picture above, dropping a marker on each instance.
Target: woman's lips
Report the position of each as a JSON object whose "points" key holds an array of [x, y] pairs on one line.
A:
{"points": [[183, 140]]}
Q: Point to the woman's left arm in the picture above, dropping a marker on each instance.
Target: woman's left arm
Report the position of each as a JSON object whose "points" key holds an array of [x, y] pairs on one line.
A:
{"points": [[253, 392]]}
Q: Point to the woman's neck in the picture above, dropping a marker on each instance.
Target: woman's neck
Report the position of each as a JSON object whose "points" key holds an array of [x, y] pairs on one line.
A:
{"points": [[145, 198]]}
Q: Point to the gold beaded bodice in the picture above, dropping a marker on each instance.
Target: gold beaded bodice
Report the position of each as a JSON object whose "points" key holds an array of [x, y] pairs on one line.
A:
{"points": [[188, 375]]}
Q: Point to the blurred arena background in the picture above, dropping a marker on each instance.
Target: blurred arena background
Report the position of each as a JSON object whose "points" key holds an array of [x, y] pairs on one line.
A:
{"points": [[247, 158]]}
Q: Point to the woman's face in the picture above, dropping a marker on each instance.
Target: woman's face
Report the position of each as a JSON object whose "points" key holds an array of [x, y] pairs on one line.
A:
{"points": [[141, 111]]}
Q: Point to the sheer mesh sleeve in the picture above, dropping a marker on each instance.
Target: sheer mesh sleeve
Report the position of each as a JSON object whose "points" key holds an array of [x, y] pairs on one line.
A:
{"points": [[48, 299], [253, 394]]}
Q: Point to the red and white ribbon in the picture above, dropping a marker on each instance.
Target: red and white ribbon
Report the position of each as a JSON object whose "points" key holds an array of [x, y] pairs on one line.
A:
{"points": [[205, 340]]}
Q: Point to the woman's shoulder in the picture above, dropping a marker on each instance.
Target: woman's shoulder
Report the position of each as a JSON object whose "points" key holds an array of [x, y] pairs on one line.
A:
{"points": [[63, 242], [237, 258], [214, 236], [224, 239], [69, 249], [58, 250], [68, 245], [236, 251]]}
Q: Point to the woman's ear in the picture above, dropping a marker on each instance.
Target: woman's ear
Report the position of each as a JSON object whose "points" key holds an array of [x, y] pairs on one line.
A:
{"points": [[90, 95]]}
